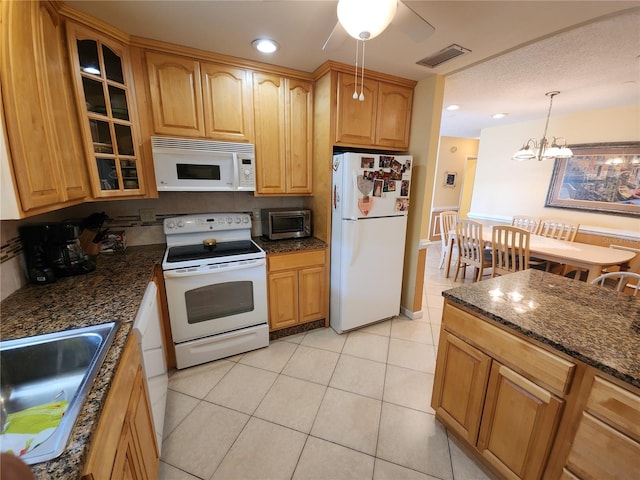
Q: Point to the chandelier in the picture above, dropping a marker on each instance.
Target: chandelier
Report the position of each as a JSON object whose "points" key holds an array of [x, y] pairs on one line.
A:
{"points": [[364, 20], [543, 149]]}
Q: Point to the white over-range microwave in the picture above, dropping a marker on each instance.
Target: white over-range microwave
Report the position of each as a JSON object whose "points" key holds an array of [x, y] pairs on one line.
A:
{"points": [[202, 165]]}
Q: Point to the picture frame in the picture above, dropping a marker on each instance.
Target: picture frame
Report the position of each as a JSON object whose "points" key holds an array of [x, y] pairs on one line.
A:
{"points": [[599, 177], [450, 179]]}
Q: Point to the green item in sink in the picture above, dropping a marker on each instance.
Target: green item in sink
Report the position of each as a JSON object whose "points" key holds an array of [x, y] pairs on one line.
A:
{"points": [[26, 429], [36, 419]]}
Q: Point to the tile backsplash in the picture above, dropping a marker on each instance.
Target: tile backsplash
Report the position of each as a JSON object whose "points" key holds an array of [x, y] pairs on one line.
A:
{"points": [[125, 215]]}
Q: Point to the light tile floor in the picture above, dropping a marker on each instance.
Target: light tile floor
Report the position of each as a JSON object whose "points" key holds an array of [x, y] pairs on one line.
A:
{"points": [[319, 406]]}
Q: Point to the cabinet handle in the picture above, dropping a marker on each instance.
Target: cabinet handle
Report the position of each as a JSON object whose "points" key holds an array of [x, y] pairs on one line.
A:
{"points": [[525, 384]]}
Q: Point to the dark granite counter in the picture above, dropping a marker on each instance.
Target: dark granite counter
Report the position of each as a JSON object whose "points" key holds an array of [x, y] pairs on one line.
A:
{"points": [[291, 245], [113, 292], [596, 326]]}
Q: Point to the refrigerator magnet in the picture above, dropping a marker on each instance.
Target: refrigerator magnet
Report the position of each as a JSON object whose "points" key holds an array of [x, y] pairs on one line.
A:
{"points": [[385, 161], [391, 186], [364, 185], [377, 187], [404, 188], [365, 205], [367, 162], [402, 204]]}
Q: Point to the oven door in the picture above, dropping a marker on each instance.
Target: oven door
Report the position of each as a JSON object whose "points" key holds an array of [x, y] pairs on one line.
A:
{"points": [[214, 299]]}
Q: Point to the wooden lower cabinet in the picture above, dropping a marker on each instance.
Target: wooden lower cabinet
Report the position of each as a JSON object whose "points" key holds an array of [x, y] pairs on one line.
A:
{"points": [[459, 403], [518, 424], [508, 419], [124, 446], [296, 288], [607, 441]]}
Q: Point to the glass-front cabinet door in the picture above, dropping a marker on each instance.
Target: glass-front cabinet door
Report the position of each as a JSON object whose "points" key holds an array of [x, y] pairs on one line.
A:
{"points": [[106, 98]]}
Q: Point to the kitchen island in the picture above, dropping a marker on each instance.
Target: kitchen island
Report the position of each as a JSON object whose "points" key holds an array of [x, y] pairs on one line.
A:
{"points": [[112, 292], [538, 376]]}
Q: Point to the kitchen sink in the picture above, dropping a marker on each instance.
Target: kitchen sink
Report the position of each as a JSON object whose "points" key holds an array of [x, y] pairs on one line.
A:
{"points": [[48, 368]]}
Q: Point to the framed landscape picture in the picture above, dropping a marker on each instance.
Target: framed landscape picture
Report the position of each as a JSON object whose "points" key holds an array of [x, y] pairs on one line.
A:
{"points": [[600, 177]]}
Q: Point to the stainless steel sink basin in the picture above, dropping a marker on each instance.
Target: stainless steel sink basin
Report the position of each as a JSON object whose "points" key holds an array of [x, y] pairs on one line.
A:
{"points": [[45, 368]]}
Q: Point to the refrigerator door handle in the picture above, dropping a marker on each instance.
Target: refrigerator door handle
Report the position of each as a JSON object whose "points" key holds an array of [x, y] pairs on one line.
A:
{"points": [[355, 243]]}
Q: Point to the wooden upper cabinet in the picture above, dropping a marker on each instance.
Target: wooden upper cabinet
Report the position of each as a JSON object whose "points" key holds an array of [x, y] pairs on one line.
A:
{"points": [[381, 120], [41, 122], [176, 95], [299, 122], [110, 126], [269, 99], [393, 118], [283, 109], [228, 103], [356, 120], [192, 98]]}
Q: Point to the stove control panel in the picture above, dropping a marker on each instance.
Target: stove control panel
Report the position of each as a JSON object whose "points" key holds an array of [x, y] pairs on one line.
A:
{"points": [[206, 222]]}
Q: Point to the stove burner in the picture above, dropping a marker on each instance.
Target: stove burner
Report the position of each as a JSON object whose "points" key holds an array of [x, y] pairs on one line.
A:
{"points": [[184, 253]]}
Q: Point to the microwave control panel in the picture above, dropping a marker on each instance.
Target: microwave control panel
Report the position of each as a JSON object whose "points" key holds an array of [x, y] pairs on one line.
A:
{"points": [[247, 173]]}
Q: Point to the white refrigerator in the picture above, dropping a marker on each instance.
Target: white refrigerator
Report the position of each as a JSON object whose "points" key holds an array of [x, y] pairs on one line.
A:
{"points": [[370, 202]]}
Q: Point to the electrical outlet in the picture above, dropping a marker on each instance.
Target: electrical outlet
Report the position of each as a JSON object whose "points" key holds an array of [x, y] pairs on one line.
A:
{"points": [[255, 214], [147, 215]]}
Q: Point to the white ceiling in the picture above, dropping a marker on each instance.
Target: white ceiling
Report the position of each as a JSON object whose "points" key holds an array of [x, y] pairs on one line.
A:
{"points": [[588, 50]]}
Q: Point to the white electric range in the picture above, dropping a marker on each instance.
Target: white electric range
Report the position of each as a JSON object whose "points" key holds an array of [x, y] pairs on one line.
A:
{"points": [[216, 284]]}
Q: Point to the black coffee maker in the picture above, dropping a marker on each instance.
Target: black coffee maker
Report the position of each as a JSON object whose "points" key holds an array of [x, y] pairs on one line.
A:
{"points": [[53, 250]]}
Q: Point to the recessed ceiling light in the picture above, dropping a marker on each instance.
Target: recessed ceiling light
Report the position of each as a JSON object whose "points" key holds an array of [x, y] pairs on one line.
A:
{"points": [[265, 45], [499, 115], [453, 107]]}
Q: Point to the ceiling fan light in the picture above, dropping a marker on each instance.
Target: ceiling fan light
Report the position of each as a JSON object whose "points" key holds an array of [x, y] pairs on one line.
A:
{"points": [[366, 19]]}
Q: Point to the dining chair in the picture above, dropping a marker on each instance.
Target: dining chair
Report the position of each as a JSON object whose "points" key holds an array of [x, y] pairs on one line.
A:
{"points": [[618, 281], [471, 249], [557, 229], [523, 221], [447, 220], [509, 249], [560, 230]]}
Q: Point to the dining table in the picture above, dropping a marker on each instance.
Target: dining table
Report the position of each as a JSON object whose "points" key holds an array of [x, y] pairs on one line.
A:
{"points": [[582, 256]]}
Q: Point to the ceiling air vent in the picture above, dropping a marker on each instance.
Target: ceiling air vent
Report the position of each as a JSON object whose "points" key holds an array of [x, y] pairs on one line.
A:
{"points": [[446, 54]]}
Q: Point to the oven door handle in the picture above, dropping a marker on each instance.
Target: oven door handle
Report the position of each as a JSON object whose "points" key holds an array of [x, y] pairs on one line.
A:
{"points": [[187, 272]]}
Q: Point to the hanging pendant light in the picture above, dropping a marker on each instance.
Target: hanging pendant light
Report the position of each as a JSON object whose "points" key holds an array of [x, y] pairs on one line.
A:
{"points": [[364, 20], [542, 150]]}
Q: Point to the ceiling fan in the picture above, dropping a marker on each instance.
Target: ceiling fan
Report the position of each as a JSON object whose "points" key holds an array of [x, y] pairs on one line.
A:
{"points": [[402, 17]]}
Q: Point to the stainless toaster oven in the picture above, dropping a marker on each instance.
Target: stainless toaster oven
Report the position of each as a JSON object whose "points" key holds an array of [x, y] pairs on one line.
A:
{"points": [[281, 223]]}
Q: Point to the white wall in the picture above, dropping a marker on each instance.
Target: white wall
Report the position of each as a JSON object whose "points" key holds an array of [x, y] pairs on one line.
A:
{"points": [[504, 187]]}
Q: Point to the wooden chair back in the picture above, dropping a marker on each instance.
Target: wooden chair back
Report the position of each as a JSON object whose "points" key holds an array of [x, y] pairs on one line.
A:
{"points": [[471, 249], [619, 281], [529, 224], [558, 229], [509, 249], [447, 220]]}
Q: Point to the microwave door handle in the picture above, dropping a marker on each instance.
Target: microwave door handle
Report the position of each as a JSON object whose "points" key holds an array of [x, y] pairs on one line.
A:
{"points": [[236, 171]]}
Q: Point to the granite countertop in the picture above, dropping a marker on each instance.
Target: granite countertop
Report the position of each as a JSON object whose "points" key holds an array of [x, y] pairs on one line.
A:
{"points": [[589, 323], [113, 292], [291, 245]]}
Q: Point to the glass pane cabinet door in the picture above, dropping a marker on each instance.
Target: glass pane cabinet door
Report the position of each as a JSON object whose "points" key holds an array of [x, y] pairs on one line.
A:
{"points": [[104, 87]]}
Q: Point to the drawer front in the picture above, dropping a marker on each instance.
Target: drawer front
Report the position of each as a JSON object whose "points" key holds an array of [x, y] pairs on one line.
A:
{"points": [[538, 365], [616, 406], [599, 452], [288, 261]]}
